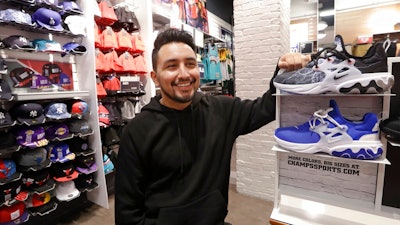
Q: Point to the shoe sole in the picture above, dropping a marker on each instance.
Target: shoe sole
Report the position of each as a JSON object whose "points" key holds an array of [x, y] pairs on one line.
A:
{"points": [[365, 150], [372, 83]]}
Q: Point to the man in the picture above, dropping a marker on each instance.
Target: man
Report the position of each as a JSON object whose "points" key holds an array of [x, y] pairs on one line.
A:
{"points": [[173, 164]]}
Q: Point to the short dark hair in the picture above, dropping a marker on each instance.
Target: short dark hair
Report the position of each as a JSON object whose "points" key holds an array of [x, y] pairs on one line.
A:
{"points": [[168, 36]]}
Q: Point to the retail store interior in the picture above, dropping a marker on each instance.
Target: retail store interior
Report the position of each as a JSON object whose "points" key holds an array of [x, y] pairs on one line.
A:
{"points": [[64, 66]]}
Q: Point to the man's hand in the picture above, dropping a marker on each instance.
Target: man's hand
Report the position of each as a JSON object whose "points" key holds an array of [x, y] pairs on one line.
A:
{"points": [[293, 61]]}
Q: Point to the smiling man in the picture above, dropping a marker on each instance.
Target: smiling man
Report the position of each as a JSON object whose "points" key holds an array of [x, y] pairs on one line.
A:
{"points": [[173, 164]]}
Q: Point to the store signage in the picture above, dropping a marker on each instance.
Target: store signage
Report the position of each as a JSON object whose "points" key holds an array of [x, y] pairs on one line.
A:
{"points": [[348, 178]]}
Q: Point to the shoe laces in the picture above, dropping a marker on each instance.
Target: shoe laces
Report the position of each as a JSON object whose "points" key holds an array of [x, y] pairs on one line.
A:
{"points": [[321, 116], [328, 53]]}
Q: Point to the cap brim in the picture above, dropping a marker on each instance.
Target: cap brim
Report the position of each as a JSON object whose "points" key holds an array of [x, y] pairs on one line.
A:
{"points": [[73, 176], [44, 209], [53, 28], [14, 177], [69, 196], [37, 144], [84, 153], [76, 31], [24, 47], [39, 120], [91, 169], [90, 187], [6, 96], [9, 150], [22, 219], [44, 164], [59, 117], [48, 186]]}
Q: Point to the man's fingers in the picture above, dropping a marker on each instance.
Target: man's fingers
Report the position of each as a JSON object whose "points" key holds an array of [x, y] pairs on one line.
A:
{"points": [[293, 61]]}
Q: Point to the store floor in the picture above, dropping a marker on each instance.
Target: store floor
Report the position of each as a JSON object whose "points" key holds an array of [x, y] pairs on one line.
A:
{"points": [[243, 210]]}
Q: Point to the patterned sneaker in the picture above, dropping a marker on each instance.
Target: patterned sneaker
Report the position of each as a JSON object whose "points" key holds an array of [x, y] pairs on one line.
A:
{"points": [[328, 131], [335, 70]]}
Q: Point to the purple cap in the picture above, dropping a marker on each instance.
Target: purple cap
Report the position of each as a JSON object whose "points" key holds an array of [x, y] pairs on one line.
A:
{"points": [[39, 81], [57, 131], [31, 137], [73, 48], [70, 6], [29, 113], [64, 80], [59, 152], [86, 164], [48, 19], [57, 111]]}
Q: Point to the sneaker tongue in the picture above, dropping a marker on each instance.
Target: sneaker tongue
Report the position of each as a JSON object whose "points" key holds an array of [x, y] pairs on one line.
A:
{"points": [[335, 113]]}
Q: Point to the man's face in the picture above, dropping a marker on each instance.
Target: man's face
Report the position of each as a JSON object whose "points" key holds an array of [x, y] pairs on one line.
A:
{"points": [[177, 74]]}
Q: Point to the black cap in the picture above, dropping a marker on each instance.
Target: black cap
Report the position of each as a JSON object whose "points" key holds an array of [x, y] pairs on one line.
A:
{"points": [[79, 146], [17, 42], [22, 77], [9, 191], [38, 181], [63, 172], [85, 182], [5, 90], [109, 136], [5, 118], [29, 113]]}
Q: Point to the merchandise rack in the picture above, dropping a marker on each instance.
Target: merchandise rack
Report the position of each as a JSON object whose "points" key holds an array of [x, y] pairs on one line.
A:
{"points": [[329, 198]]}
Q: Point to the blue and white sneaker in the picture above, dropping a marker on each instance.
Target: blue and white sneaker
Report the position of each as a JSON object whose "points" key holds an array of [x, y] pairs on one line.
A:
{"points": [[333, 70], [328, 131]]}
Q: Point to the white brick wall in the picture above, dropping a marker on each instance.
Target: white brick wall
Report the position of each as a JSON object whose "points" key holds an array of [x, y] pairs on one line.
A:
{"points": [[261, 35]]}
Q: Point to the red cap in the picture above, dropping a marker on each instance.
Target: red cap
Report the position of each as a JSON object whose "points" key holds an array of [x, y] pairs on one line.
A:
{"points": [[104, 115]]}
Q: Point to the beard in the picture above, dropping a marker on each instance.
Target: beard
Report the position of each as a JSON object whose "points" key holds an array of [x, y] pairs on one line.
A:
{"points": [[180, 96]]}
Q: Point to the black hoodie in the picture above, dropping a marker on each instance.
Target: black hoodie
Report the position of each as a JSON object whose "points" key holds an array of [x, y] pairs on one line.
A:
{"points": [[173, 166]]}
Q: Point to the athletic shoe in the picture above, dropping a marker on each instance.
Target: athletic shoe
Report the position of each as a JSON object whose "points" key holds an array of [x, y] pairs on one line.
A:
{"points": [[328, 131], [335, 70], [391, 127]]}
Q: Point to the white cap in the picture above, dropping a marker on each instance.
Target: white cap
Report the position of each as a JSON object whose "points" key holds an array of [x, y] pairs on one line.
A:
{"points": [[66, 191], [75, 24], [128, 110]]}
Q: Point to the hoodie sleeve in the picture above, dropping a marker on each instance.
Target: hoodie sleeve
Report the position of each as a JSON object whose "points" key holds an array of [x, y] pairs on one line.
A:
{"points": [[129, 202]]}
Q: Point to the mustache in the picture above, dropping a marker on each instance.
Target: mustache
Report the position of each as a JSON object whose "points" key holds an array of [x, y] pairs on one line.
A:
{"points": [[180, 80]]}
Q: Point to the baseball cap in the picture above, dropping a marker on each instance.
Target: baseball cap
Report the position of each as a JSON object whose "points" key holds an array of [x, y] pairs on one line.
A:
{"points": [[85, 164], [45, 209], [17, 42], [29, 113], [80, 146], [51, 68], [127, 110], [64, 80], [115, 113], [79, 109], [39, 81], [3, 65], [57, 111], [36, 200], [8, 143], [101, 92], [34, 159], [59, 152], [8, 171], [6, 119], [70, 6], [63, 172], [73, 48], [48, 3], [86, 182], [59, 131], [22, 76], [31, 136], [38, 181], [109, 136], [75, 25], [67, 191], [80, 127], [48, 19], [9, 191], [107, 164], [104, 115], [16, 16], [14, 214], [5, 91], [44, 45], [112, 85]]}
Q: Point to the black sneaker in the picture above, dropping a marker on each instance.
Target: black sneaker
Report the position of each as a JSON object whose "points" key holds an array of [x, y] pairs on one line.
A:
{"points": [[391, 127], [335, 70]]}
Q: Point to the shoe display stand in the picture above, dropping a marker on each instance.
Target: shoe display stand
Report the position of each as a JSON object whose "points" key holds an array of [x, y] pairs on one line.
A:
{"points": [[84, 88], [323, 189]]}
